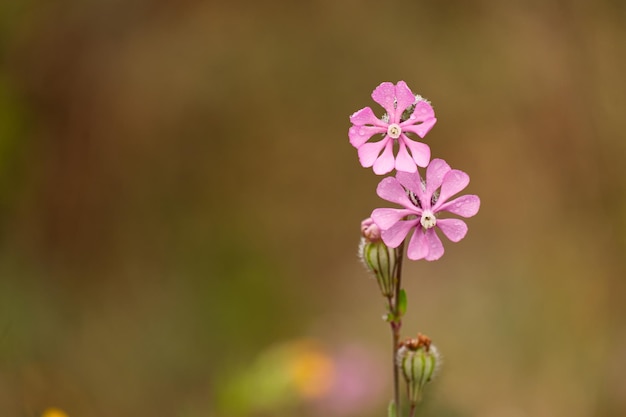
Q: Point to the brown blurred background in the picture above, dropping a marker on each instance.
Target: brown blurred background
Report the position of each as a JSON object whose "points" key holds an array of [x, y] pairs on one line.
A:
{"points": [[178, 196]]}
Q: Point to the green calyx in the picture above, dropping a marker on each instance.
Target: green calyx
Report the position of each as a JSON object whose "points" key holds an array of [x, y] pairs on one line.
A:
{"points": [[418, 361], [382, 261]]}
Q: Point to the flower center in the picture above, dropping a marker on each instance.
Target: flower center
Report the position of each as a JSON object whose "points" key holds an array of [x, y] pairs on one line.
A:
{"points": [[428, 219], [394, 130]]}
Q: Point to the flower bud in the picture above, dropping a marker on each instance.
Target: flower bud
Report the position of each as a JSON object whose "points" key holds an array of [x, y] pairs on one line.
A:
{"points": [[370, 230], [380, 259], [418, 360]]}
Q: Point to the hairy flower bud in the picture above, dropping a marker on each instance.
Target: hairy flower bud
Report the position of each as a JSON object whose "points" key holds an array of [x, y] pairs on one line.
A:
{"points": [[418, 360], [380, 259]]}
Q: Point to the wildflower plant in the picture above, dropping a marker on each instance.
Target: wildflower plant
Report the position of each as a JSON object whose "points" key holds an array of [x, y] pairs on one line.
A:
{"points": [[428, 204]]}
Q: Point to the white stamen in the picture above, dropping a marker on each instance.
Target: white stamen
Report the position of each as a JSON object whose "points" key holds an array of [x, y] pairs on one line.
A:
{"points": [[394, 130], [428, 219]]}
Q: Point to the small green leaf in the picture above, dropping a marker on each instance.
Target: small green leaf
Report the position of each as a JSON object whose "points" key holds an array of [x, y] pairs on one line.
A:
{"points": [[391, 409], [402, 301]]}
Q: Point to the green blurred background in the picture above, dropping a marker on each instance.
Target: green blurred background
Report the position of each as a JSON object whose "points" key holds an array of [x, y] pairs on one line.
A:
{"points": [[180, 206]]}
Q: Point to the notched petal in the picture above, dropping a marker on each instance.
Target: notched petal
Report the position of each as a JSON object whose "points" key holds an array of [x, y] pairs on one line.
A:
{"points": [[412, 182], [453, 182], [385, 218], [368, 152], [384, 95], [404, 161], [420, 129], [396, 234], [385, 162], [435, 247], [365, 116], [423, 111], [435, 172], [391, 190], [418, 247], [454, 229], [404, 96], [419, 151], [464, 206], [360, 134]]}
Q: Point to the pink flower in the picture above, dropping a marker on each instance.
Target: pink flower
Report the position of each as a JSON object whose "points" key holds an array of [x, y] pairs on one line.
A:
{"points": [[419, 119], [423, 202]]}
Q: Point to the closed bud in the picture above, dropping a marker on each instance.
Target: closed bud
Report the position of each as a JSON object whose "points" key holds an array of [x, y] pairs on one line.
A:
{"points": [[370, 230], [380, 259], [418, 360]]}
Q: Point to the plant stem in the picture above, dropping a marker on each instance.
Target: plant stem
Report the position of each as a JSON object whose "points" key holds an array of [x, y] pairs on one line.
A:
{"points": [[396, 324], [413, 408], [395, 336], [395, 340]]}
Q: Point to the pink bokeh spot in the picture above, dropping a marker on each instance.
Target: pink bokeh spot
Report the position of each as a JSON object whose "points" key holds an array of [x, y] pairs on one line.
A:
{"points": [[424, 197], [358, 386], [379, 154]]}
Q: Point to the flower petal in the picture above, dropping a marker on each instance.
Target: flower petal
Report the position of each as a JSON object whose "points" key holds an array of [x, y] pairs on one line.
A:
{"points": [[391, 190], [394, 236], [454, 229], [423, 111], [435, 247], [420, 151], [465, 206], [420, 129], [404, 97], [404, 162], [385, 95], [453, 182], [385, 161], [418, 247], [360, 134], [368, 152], [412, 182], [385, 218], [366, 116], [435, 172], [425, 245]]}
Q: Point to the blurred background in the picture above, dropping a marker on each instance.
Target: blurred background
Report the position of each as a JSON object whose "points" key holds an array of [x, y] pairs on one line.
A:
{"points": [[180, 207]]}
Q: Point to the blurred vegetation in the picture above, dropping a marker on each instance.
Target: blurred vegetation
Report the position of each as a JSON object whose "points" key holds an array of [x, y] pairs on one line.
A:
{"points": [[179, 201]]}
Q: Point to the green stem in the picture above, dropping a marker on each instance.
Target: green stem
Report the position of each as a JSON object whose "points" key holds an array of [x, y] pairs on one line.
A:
{"points": [[395, 340], [396, 325]]}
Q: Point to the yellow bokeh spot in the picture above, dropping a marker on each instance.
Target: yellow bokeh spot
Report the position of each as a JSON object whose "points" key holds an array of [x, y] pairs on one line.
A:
{"points": [[312, 371], [53, 412]]}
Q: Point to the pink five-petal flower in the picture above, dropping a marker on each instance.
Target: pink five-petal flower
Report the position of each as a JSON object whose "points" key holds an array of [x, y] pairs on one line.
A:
{"points": [[423, 201], [418, 119]]}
